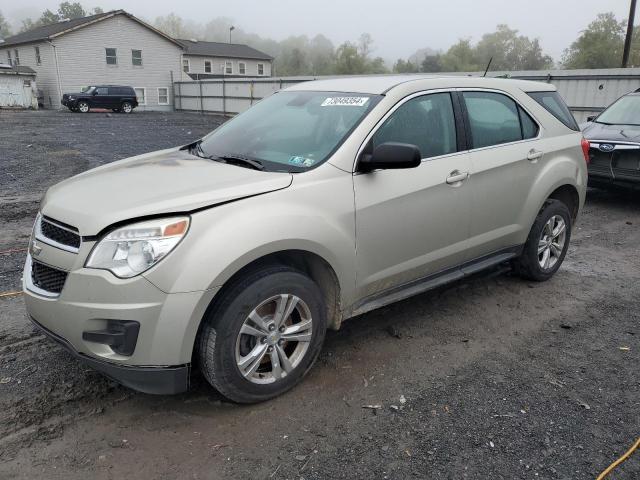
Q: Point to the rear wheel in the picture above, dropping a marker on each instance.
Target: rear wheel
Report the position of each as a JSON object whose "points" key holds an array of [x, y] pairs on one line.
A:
{"points": [[263, 335], [82, 107], [126, 107], [547, 243]]}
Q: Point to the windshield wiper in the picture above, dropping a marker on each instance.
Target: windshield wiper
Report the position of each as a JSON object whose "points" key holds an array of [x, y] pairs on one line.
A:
{"points": [[237, 160]]}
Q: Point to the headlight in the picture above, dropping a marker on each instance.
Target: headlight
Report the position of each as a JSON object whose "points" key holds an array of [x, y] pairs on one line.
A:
{"points": [[129, 251]]}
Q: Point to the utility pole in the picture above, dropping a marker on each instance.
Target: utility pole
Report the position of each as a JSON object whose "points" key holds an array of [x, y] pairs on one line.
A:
{"points": [[627, 39]]}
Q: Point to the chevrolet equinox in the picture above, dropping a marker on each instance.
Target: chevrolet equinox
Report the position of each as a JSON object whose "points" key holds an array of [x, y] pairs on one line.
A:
{"points": [[324, 201]]}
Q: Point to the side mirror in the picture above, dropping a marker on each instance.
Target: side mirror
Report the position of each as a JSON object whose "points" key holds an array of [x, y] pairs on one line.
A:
{"points": [[591, 118], [95, 92], [390, 155]]}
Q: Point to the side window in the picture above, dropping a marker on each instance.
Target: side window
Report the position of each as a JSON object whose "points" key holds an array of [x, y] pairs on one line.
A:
{"points": [[529, 127], [427, 122], [493, 118], [101, 91]]}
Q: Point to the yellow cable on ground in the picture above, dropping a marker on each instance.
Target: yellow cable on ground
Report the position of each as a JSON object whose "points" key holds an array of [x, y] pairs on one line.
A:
{"points": [[10, 294], [619, 461]]}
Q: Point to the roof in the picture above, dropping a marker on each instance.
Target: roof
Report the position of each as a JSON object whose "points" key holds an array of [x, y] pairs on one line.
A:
{"points": [[218, 49], [380, 84], [16, 70], [48, 32]]}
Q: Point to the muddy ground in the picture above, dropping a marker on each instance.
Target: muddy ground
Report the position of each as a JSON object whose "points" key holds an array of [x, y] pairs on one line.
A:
{"points": [[501, 378]]}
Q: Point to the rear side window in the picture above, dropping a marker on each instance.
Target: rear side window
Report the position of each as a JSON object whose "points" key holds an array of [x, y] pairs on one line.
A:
{"points": [[553, 103], [427, 122], [495, 119]]}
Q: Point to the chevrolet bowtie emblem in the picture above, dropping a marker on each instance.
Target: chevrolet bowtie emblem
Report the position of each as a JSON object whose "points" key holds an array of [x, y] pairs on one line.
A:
{"points": [[35, 249]]}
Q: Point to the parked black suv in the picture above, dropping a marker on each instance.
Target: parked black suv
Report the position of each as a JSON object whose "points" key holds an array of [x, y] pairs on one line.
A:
{"points": [[117, 98]]}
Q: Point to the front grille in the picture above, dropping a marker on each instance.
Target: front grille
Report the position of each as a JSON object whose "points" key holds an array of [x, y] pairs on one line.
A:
{"points": [[47, 278], [57, 233], [599, 162]]}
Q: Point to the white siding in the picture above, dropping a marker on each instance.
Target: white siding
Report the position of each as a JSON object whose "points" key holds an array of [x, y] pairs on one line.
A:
{"points": [[82, 58], [217, 66], [45, 72]]}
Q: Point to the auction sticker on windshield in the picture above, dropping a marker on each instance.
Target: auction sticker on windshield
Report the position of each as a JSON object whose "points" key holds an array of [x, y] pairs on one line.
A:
{"points": [[345, 102]]}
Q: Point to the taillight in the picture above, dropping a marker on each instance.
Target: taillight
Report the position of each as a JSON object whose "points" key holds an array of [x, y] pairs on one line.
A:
{"points": [[585, 149]]}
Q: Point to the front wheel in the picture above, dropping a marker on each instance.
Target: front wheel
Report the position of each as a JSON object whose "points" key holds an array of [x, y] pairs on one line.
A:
{"points": [[547, 243], [82, 107], [263, 334]]}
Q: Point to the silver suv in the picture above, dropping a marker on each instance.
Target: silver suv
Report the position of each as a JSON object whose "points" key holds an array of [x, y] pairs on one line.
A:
{"points": [[322, 202]]}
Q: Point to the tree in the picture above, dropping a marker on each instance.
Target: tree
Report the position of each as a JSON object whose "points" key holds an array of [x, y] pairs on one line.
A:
{"points": [[402, 66], [599, 46], [432, 63], [321, 55], [71, 10], [349, 60], [96, 11], [510, 51], [5, 28], [48, 17], [460, 58]]}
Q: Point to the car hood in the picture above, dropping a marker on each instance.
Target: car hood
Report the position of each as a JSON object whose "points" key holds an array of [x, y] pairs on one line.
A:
{"points": [[611, 133], [168, 181]]}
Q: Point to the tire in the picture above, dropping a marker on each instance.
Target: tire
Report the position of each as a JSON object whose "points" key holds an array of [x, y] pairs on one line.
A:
{"points": [[223, 350], [126, 107], [532, 261], [83, 107]]}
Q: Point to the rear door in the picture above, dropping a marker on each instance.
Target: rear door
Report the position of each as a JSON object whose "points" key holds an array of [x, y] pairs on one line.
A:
{"points": [[505, 157], [414, 222]]}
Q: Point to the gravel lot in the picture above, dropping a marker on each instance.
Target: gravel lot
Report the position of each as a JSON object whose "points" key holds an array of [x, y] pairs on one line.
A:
{"points": [[501, 378]]}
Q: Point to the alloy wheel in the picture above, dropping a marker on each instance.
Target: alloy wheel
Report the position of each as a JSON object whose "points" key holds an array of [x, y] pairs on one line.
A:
{"points": [[274, 339], [551, 243]]}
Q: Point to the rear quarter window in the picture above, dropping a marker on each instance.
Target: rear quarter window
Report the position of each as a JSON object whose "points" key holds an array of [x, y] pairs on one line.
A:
{"points": [[553, 103]]}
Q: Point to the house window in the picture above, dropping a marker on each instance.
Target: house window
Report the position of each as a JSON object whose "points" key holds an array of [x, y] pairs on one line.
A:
{"points": [[38, 59], [207, 66], [141, 95], [9, 57], [228, 67], [112, 58], [261, 69], [163, 96], [136, 57], [17, 57], [242, 68], [185, 65]]}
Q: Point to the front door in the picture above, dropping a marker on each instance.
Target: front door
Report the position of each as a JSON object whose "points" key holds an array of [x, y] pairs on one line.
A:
{"points": [[413, 223], [101, 98]]}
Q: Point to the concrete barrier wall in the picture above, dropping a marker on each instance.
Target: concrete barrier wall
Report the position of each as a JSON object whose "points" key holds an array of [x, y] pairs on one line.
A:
{"points": [[587, 92]]}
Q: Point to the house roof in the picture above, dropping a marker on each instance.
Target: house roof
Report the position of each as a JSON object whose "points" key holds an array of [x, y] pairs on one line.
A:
{"points": [[218, 49], [48, 32]]}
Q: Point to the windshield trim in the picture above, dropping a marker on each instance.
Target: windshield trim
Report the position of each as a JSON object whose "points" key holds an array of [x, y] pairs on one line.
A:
{"points": [[271, 166]]}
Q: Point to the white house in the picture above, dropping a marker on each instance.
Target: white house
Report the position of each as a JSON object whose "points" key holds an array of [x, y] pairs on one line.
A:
{"points": [[119, 49], [201, 60]]}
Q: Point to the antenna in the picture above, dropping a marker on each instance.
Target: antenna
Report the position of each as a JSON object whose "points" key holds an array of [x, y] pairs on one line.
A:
{"points": [[488, 65]]}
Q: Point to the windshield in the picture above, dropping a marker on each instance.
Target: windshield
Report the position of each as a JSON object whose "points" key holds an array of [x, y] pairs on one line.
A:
{"points": [[291, 131], [626, 111], [87, 89]]}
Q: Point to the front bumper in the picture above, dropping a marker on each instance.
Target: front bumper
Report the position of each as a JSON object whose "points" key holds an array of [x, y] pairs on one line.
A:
{"points": [[91, 300], [154, 380]]}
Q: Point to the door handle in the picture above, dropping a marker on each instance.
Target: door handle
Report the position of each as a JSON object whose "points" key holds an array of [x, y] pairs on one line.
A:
{"points": [[534, 154], [456, 177]]}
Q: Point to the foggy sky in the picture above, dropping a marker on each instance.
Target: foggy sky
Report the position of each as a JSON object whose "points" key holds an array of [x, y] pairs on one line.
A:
{"points": [[398, 27]]}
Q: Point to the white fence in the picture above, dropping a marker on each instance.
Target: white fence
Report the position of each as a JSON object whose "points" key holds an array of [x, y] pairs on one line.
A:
{"points": [[587, 92]]}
